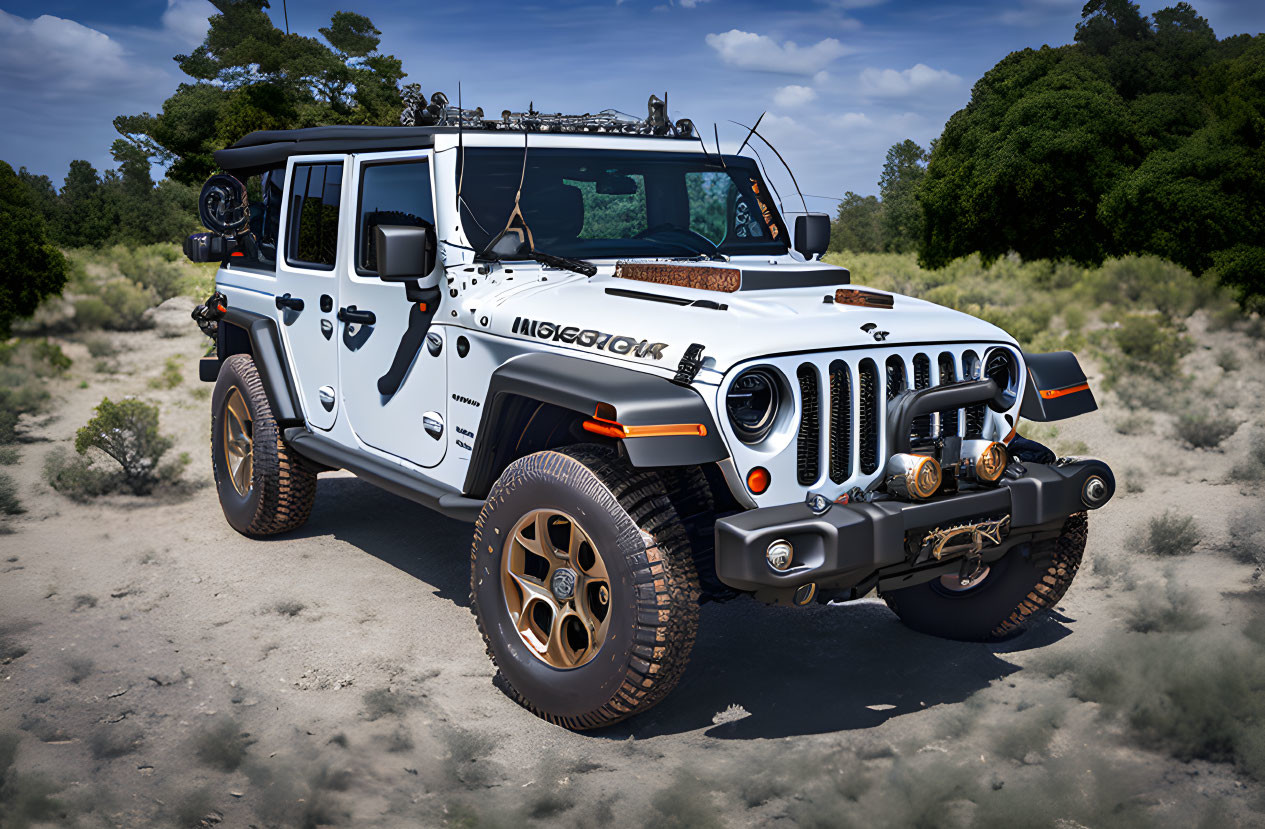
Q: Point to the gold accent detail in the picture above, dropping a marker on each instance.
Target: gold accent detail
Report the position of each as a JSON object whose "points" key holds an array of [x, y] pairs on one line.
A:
{"points": [[982, 534], [726, 280], [563, 633], [238, 442], [865, 299]]}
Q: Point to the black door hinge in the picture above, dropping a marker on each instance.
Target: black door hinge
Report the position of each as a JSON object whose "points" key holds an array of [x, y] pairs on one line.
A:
{"points": [[689, 366]]}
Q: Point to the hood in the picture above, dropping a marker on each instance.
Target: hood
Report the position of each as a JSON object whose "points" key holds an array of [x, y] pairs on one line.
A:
{"points": [[654, 317]]}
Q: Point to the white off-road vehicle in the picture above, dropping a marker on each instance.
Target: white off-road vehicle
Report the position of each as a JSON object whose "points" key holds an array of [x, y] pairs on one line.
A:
{"points": [[598, 340]]}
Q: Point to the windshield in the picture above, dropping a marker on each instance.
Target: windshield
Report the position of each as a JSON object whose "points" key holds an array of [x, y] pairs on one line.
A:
{"points": [[606, 203]]}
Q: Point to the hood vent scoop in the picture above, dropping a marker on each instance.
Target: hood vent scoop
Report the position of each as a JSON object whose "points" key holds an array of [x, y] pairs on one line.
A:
{"points": [[727, 279]]}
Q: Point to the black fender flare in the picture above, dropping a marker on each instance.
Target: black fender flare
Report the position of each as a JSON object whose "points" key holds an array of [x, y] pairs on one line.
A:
{"points": [[1056, 388], [241, 332], [638, 399]]}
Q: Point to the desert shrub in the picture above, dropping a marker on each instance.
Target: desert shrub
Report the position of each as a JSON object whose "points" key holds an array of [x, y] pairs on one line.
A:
{"points": [[9, 455], [1148, 345], [127, 432], [1114, 569], [1176, 610], [127, 303], [9, 502], [1228, 360], [1170, 535], [1136, 423], [170, 377], [25, 365], [1201, 429], [1246, 538], [222, 745], [100, 345], [1252, 467], [1198, 697], [1134, 480], [75, 476], [50, 353], [1152, 394]]}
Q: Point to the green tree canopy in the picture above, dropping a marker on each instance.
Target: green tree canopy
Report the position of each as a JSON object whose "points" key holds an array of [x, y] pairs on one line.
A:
{"points": [[858, 224], [903, 171], [1147, 135], [249, 75], [33, 267]]}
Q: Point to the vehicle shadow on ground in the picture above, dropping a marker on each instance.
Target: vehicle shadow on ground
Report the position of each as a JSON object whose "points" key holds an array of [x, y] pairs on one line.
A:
{"points": [[409, 537], [792, 670], [820, 670]]}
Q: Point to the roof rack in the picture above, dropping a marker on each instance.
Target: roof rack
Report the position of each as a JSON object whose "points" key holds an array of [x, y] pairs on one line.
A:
{"points": [[438, 112]]}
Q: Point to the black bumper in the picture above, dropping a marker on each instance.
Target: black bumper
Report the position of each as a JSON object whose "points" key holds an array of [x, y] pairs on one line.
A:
{"points": [[850, 544]]}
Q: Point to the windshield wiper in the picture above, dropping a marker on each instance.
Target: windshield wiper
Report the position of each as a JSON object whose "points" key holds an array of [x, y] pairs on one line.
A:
{"points": [[576, 265], [684, 239]]}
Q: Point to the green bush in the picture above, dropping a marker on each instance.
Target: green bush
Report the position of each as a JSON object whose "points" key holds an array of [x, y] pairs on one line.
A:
{"points": [[25, 366], [9, 502], [1147, 345], [127, 431], [75, 476], [1204, 430], [1170, 535]]}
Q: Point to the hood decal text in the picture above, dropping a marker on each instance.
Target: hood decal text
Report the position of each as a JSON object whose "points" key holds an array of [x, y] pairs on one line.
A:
{"points": [[589, 338]]}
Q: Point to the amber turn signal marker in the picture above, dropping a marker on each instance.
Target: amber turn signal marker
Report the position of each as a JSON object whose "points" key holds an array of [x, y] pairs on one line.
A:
{"points": [[1053, 393], [758, 480], [611, 429]]}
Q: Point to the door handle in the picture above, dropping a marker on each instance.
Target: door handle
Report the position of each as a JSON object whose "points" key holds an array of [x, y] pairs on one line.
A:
{"points": [[353, 315], [287, 301]]}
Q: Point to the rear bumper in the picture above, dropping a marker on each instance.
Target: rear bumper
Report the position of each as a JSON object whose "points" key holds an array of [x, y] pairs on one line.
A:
{"points": [[860, 544]]}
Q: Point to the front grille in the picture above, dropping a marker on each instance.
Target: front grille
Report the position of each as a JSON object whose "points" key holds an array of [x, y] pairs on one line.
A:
{"points": [[809, 439], [840, 422], [858, 390], [868, 422]]}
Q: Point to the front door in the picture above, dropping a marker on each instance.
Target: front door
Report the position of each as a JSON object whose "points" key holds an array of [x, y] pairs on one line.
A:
{"points": [[307, 282], [407, 418]]}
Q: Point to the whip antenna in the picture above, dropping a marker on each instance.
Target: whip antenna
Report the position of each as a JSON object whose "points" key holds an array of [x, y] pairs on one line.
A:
{"points": [[779, 158]]}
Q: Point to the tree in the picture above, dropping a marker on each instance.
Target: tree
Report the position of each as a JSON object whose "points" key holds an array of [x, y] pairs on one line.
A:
{"points": [[1145, 136], [249, 75], [903, 171], [33, 267], [858, 224]]}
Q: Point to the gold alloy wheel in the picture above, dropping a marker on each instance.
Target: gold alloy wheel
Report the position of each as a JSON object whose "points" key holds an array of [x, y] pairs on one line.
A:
{"points": [[556, 588], [239, 454]]}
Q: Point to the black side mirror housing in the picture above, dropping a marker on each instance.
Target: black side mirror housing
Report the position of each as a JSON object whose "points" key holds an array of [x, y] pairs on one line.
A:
{"points": [[812, 234], [406, 253]]}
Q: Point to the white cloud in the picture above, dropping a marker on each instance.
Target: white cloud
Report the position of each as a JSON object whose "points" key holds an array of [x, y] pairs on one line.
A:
{"points": [[51, 56], [689, 4], [788, 97], [918, 79], [761, 53], [187, 19], [822, 78], [851, 121]]}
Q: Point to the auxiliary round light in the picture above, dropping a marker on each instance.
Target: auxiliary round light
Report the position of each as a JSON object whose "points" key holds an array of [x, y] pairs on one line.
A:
{"points": [[912, 476], [780, 555], [758, 480], [926, 478], [991, 462]]}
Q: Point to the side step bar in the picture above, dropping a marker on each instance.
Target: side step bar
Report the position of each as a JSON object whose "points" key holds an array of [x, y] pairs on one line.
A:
{"points": [[384, 474]]}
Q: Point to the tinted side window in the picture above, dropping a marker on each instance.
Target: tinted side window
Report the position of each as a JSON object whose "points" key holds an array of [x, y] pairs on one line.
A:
{"points": [[391, 193], [313, 223], [260, 248]]}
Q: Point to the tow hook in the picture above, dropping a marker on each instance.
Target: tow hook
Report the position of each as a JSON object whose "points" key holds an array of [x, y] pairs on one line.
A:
{"points": [[972, 567]]}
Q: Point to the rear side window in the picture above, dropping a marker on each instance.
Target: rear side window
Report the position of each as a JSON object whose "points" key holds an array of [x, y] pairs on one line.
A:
{"points": [[312, 232], [391, 193]]}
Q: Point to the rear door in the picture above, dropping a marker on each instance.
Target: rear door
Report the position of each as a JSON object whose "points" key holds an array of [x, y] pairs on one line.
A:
{"points": [[393, 189], [307, 281]]}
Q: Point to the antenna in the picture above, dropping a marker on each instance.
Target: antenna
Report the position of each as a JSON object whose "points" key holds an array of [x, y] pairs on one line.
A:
{"points": [[286, 13], [769, 180], [716, 132], [461, 148], [748, 138], [779, 158]]}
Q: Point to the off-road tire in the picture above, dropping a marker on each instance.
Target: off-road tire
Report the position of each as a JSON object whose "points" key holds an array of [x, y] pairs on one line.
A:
{"points": [[653, 586], [1027, 581], [283, 485]]}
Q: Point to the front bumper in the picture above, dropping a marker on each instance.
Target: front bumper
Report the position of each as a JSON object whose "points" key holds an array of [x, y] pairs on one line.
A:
{"points": [[856, 546]]}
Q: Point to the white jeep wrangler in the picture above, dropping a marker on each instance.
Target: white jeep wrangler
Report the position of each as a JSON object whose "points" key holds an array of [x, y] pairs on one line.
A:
{"points": [[599, 341]]}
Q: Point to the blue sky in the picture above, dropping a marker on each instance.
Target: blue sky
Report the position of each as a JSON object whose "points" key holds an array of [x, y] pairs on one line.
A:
{"points": [[842, 80]]}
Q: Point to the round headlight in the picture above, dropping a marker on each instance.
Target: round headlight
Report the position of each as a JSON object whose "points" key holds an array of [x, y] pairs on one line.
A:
{"points": [[752, 404], [1002, 367]]}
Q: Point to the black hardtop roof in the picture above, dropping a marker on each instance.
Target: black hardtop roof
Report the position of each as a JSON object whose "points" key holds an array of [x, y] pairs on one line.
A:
{"points": [[263, 149]]}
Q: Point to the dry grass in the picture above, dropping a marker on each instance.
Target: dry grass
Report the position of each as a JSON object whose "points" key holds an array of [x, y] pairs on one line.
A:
{"points": [[1204, 430], [1170, 534]]}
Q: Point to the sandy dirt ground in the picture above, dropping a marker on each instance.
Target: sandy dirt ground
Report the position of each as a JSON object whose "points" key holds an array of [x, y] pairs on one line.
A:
{"points": [[159, 669]]}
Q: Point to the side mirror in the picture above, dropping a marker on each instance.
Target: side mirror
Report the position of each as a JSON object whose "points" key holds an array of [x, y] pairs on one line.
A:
{"points": [[406, 253], [812, 234]]}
